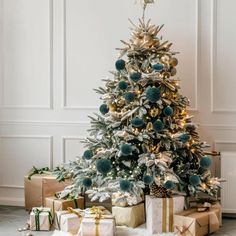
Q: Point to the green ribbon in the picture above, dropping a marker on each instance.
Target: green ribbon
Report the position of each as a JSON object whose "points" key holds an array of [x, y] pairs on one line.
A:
{"points": [[37, 213], [38, 171], [76, 203]]}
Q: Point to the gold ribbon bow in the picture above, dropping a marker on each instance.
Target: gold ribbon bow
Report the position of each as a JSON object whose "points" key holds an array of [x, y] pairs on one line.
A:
{"points": [[71, 211], [99, 213]]}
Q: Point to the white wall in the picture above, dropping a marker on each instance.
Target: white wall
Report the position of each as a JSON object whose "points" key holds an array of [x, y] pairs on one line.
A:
{"points": [[52, 53]]}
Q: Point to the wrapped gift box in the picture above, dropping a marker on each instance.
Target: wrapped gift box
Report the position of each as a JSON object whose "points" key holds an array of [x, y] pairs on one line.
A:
{"points": [[40, 219], [97, 222], [88, 203], [160, 213], [194, 223], [132, 216], [68, 221], [39, 187], [62, 204]]}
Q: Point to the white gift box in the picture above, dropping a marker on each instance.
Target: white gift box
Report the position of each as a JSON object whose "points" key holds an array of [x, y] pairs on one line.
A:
{"points": [[97, 221], [160, 213], [91, 226], [68, 221], [40, 219]]}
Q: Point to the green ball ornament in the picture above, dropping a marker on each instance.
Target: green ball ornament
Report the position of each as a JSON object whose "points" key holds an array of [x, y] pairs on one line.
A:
{"points": [[125, 185], [103, 166], [169, 184], [194, 180], [129, 97], [137, 122], [104, 109], [122, 85], [153, 94], [184, 138], [88, 154], [205, 162], [168, 111], [158, 125], [120, 64], [158, 67], [147, 179], [136, 76], [126, 149], [87, 182]]}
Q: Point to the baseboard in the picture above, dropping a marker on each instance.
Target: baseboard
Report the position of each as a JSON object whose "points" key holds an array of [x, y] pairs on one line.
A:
{"points": [[12, 201]]}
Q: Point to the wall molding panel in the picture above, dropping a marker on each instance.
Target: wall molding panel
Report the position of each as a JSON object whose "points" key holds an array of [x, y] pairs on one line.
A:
{"points": [[214, 55], [67, 138], [49, 106]]}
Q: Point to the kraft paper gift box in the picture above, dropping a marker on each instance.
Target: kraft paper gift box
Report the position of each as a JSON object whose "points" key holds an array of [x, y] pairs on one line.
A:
{"points": [[68, 221], [160, 213], [97, 222], [194, 223], [40, 219], [88, 203], [62, 204], [131, 216], [39, 187]]}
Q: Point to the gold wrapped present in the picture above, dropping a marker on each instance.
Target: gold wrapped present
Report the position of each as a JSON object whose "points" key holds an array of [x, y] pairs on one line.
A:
{"points": [[40, 219], [40, 186], [160, 213], [97, 222], [62, 204], [132, 216], [197, 223], [69, 220]]}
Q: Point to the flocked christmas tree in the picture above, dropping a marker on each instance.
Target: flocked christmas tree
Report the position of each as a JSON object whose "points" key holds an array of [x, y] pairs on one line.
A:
{"points": [[143, 136]]}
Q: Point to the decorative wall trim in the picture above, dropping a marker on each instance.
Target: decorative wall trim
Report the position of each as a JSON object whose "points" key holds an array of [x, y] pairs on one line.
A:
{"points": [[214, 56], [64, 138], [197, 53], [12, 201], [65, 105], [50, 138], [45, 123], [222, 142], [50, 105]]}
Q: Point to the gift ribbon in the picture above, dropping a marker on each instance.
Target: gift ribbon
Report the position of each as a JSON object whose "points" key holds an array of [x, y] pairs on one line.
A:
{"points": [[164, 214], [98, 213], [37, 213], [183, 229], [38, 171], [70, 210]]}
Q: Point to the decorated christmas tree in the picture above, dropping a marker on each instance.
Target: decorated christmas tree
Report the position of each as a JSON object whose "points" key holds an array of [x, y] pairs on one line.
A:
{"points": [[142, 137]]}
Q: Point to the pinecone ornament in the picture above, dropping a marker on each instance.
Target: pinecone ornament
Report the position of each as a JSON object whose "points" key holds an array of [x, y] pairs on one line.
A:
{"points": [[158, 191]]}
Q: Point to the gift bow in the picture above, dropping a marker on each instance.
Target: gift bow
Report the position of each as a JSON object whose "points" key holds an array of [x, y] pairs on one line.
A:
{"points": [[38, 171], [37, 213], [99, 213], [72, 211]]}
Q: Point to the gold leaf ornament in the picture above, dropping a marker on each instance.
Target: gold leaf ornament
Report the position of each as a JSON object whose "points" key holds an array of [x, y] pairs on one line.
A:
{"points": [[154, 112]]}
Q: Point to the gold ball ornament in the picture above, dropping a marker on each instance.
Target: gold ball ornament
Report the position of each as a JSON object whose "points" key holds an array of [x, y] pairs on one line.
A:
{"points": [[165, 59], [121, 102], [154, 112], [174, 61], [112, 107], [173, 71], [149, 126]]}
